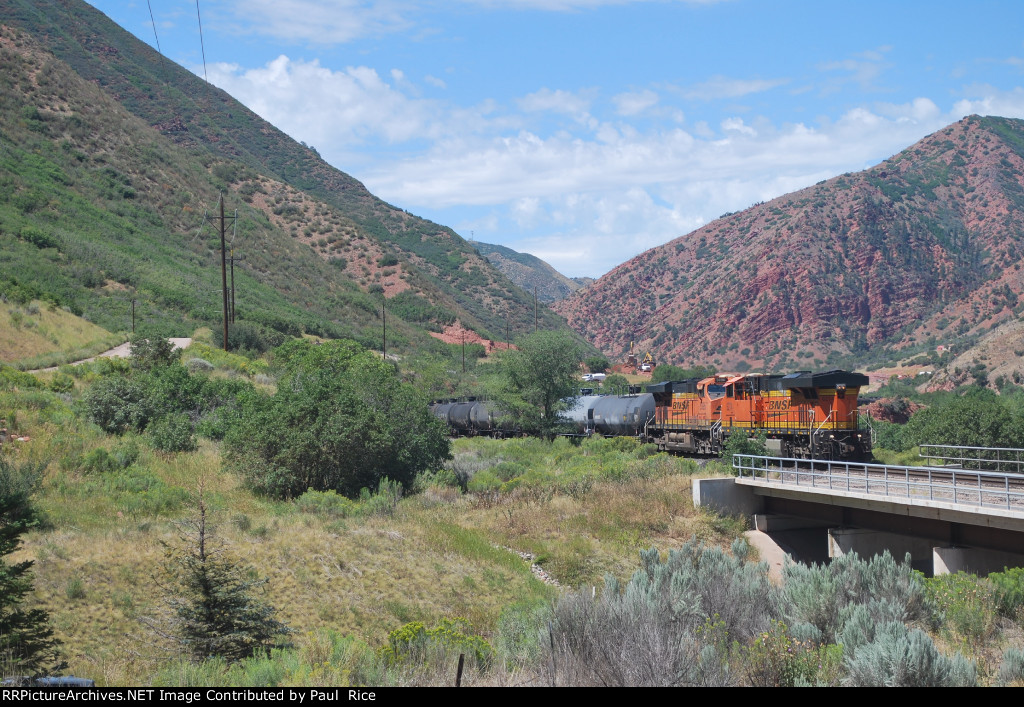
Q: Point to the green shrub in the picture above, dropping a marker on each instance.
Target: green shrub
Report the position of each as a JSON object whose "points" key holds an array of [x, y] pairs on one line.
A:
{"points": [[198, 365], [892, 655], [341, 419], [329, 503], [152, 352], [820, 598], [415, 643], [739, 443], [173, 433], [75, 589], [39, 238], [382, 503], [215, 423], [62, 383], [126, 452], [964, 604], [483, 481], [99, 461], [1011, 670], [118, 404], [253, 337], [1009, 590], [138, 492], [520, 638], [890, 435], [11, 377], [776, 659]]}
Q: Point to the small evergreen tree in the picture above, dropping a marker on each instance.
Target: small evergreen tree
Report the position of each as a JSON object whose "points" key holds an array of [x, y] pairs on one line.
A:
{"points": [[27, 644], [211, 604]]}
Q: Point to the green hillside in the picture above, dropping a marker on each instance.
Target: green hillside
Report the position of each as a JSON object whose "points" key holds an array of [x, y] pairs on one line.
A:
{"points": [[112, 161], [530, 272]]}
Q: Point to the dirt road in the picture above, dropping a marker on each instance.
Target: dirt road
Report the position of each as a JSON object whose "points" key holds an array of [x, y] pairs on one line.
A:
{"points": [[122, 351]]}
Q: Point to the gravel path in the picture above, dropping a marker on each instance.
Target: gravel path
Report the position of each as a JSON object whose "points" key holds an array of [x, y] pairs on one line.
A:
{"points": [[121, 351]]}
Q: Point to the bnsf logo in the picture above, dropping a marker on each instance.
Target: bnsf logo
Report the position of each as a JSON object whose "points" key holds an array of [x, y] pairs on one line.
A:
{"points": [[778, 404]]}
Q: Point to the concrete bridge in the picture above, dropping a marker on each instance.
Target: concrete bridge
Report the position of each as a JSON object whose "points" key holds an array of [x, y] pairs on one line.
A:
{"points": [[947, 519]]}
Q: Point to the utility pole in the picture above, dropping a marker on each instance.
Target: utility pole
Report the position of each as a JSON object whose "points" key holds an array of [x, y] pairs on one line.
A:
{"points": [[224, 271], [536, 312], [133, 315], [232, 259], [463, 350], [384, 319]]}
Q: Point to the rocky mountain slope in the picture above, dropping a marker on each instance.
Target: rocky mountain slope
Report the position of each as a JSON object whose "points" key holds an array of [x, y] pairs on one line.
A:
{"points": [[530, 272], [920, 251], [111, 155]]}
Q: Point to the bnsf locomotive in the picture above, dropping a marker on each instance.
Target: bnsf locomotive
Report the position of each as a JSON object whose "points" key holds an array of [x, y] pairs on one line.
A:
{"points": [[802, 415]]}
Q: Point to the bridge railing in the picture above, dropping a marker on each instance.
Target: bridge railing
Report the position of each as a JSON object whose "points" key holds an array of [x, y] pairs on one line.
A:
{"points": [[1007, 459], [973, 488]]}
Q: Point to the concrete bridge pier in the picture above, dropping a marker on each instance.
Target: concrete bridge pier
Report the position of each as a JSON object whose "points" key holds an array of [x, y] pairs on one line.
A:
{"points": [[868, 543], [948, 560]]}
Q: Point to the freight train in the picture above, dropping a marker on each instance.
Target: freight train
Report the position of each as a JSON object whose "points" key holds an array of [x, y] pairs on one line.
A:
{"points": [[802, 415]]}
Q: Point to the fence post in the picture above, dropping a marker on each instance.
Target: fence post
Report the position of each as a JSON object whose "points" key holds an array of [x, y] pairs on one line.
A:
{"points": [[551, 638]]}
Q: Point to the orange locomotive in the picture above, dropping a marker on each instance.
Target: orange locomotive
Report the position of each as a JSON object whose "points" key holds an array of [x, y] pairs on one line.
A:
{"points": [[803, 414]]}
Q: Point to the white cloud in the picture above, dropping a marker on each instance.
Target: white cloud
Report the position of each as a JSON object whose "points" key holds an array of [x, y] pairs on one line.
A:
{"points": [[324, 23], [737, 125], [576, 104], [340, 21], [336, 110], [990, 101], [863, 70], [719, 87], [635, 103]]}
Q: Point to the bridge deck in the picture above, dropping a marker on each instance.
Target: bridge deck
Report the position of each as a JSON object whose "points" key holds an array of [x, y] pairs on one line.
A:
{"points": [[997, 497]]}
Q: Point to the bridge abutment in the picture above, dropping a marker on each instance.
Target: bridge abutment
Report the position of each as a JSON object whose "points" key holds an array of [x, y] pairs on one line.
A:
{"points": [[814, 525]]}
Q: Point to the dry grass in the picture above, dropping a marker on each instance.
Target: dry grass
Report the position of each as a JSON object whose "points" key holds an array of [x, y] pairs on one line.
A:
{"points": [[37, 335], [438, 555]]}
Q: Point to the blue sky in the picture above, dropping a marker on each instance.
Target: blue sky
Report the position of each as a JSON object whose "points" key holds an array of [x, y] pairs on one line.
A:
{"points": [[588, 131]]}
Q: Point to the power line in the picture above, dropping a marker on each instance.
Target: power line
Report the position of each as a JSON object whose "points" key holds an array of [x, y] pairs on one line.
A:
{"points": [[200, 229], [153, 20], [201, 46]]}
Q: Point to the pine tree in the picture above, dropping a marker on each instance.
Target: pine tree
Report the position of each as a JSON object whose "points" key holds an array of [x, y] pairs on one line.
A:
{"points": [[27, 644], [213, 610]]}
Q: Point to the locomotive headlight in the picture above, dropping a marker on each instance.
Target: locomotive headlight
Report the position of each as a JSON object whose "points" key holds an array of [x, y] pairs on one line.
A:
{"points": [[831, 436]]}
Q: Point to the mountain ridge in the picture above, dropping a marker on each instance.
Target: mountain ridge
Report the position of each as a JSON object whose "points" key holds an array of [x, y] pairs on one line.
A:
{"points": [[906, 255], [531, 273], [373, 248]]}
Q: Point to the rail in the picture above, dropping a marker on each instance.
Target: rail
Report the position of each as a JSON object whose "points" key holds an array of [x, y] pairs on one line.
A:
{"points": [[980, 458], [962, 487]]}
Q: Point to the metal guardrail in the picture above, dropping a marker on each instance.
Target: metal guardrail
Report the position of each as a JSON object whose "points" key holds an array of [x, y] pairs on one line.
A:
{"points": [[977, 489], [980, 458]]}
